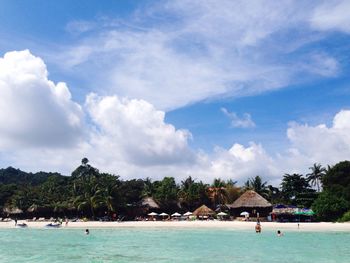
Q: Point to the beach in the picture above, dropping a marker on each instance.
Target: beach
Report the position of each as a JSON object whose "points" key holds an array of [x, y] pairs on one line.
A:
{"points": [[238, 225]]}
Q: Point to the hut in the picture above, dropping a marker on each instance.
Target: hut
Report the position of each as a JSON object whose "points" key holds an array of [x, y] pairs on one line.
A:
{"points": [[149, 203], [12, 211], [203, 212], [251, 202]]}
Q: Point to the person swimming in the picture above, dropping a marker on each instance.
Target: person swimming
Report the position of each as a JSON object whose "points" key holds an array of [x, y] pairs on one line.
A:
{"points": [[87, 232], [279, 233], [258, 228]]}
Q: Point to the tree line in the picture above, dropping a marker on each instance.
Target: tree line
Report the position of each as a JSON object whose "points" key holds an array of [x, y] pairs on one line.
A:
{"points": [[91, 193]]}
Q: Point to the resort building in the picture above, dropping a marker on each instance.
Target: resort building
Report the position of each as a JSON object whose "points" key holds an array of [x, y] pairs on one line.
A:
{"points": [[250, 203]]}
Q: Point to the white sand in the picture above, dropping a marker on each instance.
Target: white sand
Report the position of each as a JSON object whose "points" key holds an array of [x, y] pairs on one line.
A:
{"points": [[194, 224]]}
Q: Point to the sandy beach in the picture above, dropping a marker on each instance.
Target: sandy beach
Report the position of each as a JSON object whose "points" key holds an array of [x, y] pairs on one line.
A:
{"points": [[322, 226]]}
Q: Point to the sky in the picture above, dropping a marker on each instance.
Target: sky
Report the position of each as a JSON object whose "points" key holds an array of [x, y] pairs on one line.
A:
{"points": [[213, 88]]}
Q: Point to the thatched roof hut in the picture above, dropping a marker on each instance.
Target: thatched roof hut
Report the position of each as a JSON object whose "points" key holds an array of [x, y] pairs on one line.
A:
{"points": [[12, 210], [149, 202], [251, 199], [203, 211], [251, 202]]}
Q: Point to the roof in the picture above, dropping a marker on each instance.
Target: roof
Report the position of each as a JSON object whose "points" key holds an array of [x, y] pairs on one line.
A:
{"points": [[149, 201], [250, 199], [12, 210], [203, 211]]}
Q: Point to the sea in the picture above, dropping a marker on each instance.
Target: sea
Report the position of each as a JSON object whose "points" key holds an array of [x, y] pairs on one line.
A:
{"points": [[171, 245]]}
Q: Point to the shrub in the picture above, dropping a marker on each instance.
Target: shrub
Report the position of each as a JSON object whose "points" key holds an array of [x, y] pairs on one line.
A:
{"points": [[345, 217], [329, 207]]}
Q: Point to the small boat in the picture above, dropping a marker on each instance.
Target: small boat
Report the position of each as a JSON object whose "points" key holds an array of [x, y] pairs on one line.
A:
{"points": [[55, 225], [22, 225]]}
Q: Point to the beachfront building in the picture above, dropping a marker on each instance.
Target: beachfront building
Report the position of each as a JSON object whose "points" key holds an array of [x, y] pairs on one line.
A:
{"points": [[250, 202], [203, 212], [289, 213]]}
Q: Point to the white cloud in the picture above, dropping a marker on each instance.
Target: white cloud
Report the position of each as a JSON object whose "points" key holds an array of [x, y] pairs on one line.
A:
{"points": [[198, 50], [244, 122], [332, 15], [321, 64], [80, 26], [40, 122], [320, 143], [34, 111], [136, 130]]}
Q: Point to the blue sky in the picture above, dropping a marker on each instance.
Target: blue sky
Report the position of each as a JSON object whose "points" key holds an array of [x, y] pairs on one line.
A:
{"points": [[226, 89]]}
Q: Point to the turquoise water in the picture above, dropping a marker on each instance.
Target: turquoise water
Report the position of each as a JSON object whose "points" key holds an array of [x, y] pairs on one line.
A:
{"points": [[171, 245]]}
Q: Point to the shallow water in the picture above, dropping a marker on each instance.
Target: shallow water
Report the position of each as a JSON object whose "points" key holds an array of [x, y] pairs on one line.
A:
{"points": [[171, 245]]}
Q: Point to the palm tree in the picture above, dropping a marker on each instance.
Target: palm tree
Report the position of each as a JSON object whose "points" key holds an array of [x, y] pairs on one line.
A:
{"points": [[91, 199], [110, 197], [148, 188], [257, 185], [316, 175], [189, 193], [217, 192], [293, 185]]}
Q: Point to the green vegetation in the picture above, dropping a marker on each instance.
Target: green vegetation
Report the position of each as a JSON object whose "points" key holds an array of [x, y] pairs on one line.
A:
{"points": [[91, 193], [334, 201], [345, 217]]}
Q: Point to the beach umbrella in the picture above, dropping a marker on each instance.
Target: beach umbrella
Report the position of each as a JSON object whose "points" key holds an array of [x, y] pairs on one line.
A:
{"points": [[163, 214], [188, 214], [244, 213], [153, 214], [222, 214], [176, 214], [309, 213]]}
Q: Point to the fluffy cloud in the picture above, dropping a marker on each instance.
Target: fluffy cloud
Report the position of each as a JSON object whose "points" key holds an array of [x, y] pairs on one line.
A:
{"points": [[320, 143], [136, 130], [34, 111], [240, 162], [40, 121], [332, 15], [132, 138], [244, 122]]}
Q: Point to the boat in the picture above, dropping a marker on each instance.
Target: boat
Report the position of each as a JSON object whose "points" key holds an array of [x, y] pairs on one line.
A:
{"points": [[53, 225], [22, 225]]}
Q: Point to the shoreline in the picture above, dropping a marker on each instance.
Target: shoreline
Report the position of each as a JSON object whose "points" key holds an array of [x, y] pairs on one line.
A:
{"points": [[232, 225]]}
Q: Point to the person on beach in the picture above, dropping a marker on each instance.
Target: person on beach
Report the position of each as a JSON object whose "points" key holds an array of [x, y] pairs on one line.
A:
{"points": [[279, 233], [16, 221], [87, 232], [66, 220]]}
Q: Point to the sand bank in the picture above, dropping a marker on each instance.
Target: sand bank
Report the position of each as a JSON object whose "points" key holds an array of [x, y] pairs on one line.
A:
{"points": [[323, 226]]}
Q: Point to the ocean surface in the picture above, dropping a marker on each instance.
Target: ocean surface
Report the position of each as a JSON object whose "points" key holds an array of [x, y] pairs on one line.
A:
{"points": [[171, 245]]}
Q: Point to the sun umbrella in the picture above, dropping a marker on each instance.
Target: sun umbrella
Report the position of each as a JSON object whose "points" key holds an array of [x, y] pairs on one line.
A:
{"points": [[222, 214], [176, 214], [244, 214], [153, 214], [306, 212], [188, 214], [309, 213], [163, 214]]}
